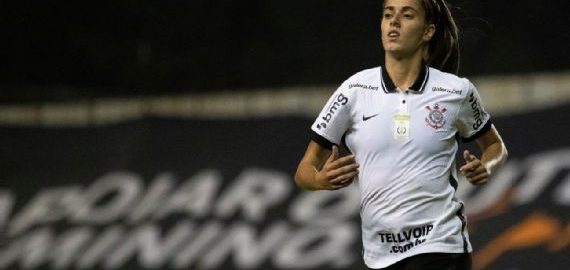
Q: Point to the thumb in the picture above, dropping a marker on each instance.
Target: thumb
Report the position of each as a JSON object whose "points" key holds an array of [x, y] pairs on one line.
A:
{"points": [[467, 156], [334, 154]]}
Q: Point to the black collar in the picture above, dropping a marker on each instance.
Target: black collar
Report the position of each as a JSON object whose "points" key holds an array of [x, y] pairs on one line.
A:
{"points": [[417, 87]]}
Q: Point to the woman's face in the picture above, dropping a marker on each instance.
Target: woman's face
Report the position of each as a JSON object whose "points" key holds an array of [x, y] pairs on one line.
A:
{"points": [[403, 27]]}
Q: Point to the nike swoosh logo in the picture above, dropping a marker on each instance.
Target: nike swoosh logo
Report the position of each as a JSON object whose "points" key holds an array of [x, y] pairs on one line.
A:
{"points": [[366, 118]]}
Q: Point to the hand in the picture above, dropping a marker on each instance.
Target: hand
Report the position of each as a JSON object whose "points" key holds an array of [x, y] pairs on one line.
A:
{"points": [[338, 172], [474, 170]]}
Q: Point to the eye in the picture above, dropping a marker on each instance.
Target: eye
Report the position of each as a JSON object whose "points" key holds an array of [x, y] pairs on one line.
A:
{"points": [[408, 16], [387, 15]]}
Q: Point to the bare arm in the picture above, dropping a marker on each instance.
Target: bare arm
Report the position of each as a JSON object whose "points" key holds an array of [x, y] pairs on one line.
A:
{"points": [[477, 171], [323, 169]]}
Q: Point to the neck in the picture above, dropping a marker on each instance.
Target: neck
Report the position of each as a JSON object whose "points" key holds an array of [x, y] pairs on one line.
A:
{"points": [[403, 71]]}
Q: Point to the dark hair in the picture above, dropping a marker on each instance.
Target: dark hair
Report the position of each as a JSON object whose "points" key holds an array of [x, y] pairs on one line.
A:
{"points": [[443, 48]]}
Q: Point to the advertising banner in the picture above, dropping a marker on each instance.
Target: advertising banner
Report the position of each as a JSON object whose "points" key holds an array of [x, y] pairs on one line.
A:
{"points": [[174, 193]]}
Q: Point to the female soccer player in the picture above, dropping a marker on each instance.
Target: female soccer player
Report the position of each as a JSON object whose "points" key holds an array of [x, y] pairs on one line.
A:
{"points": [[401, 123]]}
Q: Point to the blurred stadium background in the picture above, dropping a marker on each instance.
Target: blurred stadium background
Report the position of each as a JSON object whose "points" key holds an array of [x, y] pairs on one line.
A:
{"points": [[165, 134]]}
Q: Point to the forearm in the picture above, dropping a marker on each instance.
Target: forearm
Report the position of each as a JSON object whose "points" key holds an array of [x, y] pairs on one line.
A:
{"points": [[323, 169], [305, 177], [494, 156]]}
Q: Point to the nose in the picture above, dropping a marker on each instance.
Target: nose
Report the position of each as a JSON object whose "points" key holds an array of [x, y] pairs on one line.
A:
{"points": [[395, 21]]}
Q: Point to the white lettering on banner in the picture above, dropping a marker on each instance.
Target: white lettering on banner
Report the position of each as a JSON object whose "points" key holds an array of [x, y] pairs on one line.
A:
{"points": [[322, 208], [254, 191], [196, 247], [6, 204], [538, 172], [49, 205], [491, 192], [195, 197], [30, 249], [116, 221], [145, 241], [185, 245], [124, 188], [102, 247], [248, 251], [335, 247], [120, 196], [562, 194], [40, 246], [159, 190], [543, 168], [64, 252]]}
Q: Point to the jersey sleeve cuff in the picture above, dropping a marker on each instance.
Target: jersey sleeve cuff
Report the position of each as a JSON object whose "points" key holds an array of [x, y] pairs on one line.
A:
{"points": [[322, 141], [478, 134]]}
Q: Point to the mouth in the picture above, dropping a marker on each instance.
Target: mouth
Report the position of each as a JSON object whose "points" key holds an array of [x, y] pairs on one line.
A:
{"points": [[393, 34]]}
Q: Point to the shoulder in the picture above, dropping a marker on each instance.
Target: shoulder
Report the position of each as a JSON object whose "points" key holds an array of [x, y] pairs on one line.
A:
{"points": [[366, 74], [367, 79], [449, 83], [450, 79]]}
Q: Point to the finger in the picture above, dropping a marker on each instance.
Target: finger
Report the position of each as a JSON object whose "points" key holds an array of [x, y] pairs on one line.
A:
{"points": [[473, 157], [477, 170], [463, 170], [337, 178], [467, 156], [340, 186], [337, 187], [479, 179], [481, 170], [346, 183], [334, 173], [469, 167], [346, 169], [344, 177], [343, 161]]}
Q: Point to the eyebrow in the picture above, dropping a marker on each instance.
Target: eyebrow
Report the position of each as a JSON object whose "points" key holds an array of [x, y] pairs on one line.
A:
{"points": [[404, 8]]}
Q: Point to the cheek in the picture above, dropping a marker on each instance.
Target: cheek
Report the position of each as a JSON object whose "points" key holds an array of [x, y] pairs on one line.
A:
{"points": [[417, 32], [383, 29], [383, 25]]}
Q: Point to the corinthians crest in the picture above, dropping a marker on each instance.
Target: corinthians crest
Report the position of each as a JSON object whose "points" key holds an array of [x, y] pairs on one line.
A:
{"points": [[436, 117]]}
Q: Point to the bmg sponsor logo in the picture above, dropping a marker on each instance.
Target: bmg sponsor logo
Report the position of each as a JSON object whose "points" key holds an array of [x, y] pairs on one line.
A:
{"points": [[339, 101], [476, 111]]}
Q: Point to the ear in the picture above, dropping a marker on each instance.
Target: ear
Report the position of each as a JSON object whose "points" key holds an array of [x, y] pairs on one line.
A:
{"points": [[429, 32]]}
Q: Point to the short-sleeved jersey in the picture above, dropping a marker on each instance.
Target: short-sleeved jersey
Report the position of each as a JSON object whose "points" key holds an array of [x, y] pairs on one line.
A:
{"points": [[405, 143]]}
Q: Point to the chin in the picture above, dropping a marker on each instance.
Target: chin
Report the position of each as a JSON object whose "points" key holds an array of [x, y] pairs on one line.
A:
{"points": [[391, 46], [395, 50]]}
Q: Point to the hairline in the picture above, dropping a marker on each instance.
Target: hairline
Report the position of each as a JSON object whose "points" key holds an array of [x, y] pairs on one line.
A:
{"points": [[404, 8]]}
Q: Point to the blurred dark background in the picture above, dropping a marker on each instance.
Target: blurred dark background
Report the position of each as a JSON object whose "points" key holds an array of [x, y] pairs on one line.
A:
{"points": [[64, 50]]}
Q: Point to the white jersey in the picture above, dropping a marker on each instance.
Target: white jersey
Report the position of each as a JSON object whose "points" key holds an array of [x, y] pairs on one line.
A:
{"points": [[405, 143]]}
